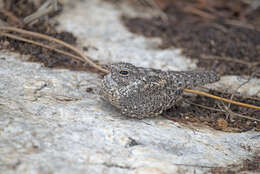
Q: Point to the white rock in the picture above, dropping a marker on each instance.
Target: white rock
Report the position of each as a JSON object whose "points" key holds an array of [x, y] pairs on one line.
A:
{"points": [[50, 124]]}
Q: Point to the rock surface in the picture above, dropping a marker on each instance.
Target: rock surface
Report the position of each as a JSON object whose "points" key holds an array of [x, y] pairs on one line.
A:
{"points": [[52, 122]]}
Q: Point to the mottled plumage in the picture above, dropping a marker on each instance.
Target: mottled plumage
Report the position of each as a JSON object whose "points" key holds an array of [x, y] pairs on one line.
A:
{"points": [[143, 92]]}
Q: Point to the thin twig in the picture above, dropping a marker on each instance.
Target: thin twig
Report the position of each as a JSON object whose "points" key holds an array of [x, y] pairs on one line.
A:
{"points": [[224, 109], [210, 57], [231, 98], [236, 114], [198, 12], [241, 24], [48, 7], [240, 115], [221, 99], [238, 95], [205, 107], [38, 35], [41, 45]]}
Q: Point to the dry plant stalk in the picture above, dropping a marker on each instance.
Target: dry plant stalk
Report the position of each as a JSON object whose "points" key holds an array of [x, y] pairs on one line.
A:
{"points": [[51, 39], [221, 99]]}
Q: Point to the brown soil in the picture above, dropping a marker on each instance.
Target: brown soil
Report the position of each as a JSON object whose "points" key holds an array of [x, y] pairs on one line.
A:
{"points": [[248, 165], [202, 110], [49, 58], [223, 36]]}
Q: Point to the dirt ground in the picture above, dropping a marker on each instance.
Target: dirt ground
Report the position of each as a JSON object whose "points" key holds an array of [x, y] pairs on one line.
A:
{"points": [[246, 166], [49, 58], [223, 36]]}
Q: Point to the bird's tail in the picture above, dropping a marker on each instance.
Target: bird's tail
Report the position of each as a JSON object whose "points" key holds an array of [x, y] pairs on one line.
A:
{"points": [[202, 77], [188, 79]]}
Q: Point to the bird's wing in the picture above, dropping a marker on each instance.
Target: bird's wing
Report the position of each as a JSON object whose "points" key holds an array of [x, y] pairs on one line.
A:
{"points": [[150, 98]]}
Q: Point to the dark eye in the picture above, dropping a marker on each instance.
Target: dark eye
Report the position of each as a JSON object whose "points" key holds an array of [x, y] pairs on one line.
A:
{"points": [[123, 73]]}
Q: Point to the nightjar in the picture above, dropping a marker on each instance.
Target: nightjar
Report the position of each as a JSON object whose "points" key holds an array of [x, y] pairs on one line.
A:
{"points": [[144, 92]]}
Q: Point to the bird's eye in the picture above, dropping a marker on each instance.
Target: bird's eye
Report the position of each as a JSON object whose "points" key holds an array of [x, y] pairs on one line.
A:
{"points": [[124, 72]]}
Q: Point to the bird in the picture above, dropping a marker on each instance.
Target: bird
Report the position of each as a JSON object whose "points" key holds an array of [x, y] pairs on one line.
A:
{"points": [[146, 92]]}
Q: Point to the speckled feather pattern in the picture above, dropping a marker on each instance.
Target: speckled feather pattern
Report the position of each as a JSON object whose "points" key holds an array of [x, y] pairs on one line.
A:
{"points": [[143, 92]]}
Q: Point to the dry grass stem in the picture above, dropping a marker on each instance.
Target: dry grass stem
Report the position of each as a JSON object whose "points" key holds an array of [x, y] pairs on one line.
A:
{"points": [[222, 99], [51, 39]]}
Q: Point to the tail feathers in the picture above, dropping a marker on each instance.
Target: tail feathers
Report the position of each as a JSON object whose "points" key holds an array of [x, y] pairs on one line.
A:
{"points": [[187, 79], [198, 78]]}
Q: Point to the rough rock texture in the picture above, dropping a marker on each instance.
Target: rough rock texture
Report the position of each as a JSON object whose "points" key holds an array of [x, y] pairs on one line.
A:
{"points": [[49, 123]]}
